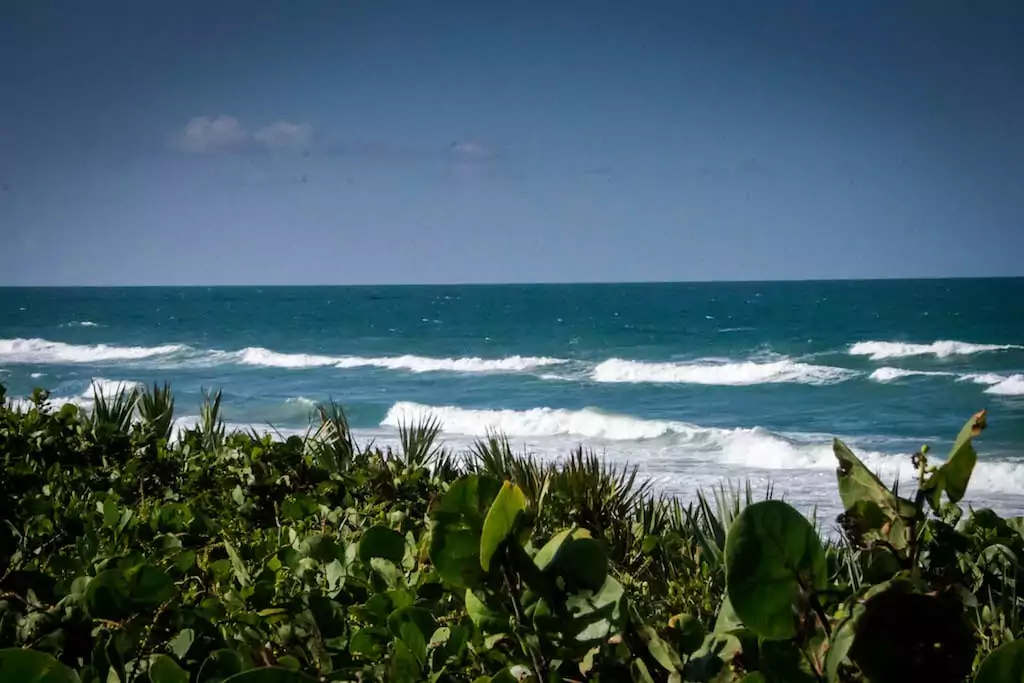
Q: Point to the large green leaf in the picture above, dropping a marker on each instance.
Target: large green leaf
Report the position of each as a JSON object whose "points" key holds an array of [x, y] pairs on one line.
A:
{"points": [[270, 675], [906, 636], [108, 595], [29, 666], [149, 586], [1005, 664], [575, 556], [774, 561], [221, 664], [488, 618], [163, 669], [414, 626], [598, 616], [380, 541], [954, 474], [871, 507], [501, 521], [458, 525]]}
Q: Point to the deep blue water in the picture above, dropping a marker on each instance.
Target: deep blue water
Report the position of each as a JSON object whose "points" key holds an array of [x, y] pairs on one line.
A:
{"points": [[691, 382]]}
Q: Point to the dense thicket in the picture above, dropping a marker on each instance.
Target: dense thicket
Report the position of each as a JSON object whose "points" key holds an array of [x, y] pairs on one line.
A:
{"points": [[129, 552]]}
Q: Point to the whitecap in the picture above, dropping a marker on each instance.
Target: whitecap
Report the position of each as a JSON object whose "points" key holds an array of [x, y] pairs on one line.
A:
{"points": [[719, 373], [42, 351], [888, 374], [880, 350], [411, 363], [670, 441]]}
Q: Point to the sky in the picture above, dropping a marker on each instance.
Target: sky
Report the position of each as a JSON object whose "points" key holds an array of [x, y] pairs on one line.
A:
{"points": [[256, 142]]}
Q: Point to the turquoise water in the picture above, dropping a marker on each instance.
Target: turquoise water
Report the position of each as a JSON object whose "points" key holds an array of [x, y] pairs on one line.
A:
{"points": [[691, 382]]}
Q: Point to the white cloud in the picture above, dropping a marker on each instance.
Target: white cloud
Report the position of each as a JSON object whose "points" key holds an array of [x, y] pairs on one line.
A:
{"points": [[470, 151], [206, 134], [285, 136]]}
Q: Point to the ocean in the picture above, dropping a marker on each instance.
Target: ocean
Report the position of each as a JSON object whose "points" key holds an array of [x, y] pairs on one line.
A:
{"points": [[694, 384]]}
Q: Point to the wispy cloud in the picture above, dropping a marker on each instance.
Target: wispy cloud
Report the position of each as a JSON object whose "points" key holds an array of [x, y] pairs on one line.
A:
{"points": [[206, 134], [285, 136]]}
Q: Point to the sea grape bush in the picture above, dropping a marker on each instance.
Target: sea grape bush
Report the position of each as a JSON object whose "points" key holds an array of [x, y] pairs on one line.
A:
{"points": [[131, 551]]}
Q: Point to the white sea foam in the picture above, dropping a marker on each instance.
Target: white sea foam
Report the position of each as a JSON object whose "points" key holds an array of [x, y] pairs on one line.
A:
{"points": [[42, 351], [109, 388], [729, 374], [268, 358], [1011, 386], [880, 350], [888, 374], [82, 323], [981, 378], [37, 375], [684, 445], [588, 422]]}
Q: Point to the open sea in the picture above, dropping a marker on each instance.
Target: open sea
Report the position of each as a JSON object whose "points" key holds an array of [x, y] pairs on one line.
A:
{"points": [[692, 383]]}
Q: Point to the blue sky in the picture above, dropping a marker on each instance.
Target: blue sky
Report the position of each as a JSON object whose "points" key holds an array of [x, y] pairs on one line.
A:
{"points": [[414, 142]]}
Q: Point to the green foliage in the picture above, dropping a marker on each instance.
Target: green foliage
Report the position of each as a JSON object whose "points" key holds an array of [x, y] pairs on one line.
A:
{"points": [[214, 557], [774, 562]]}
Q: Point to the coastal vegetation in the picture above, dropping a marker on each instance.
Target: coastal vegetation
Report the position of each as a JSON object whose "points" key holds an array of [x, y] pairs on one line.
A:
{"points": [[133, 548]]}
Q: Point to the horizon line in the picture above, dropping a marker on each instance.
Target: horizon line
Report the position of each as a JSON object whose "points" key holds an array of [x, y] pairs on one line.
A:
{"points": [[521, 283]]}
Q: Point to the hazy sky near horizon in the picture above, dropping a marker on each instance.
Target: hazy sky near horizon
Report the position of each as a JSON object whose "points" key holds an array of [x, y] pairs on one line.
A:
{"points": [[419, 142]]}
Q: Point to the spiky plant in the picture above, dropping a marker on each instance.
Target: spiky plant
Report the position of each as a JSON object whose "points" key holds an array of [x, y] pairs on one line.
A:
{"points": [[494, 455], [113, 413], [156, 411], [419, 442], [211, 429], [599, 495], [331, 443]]}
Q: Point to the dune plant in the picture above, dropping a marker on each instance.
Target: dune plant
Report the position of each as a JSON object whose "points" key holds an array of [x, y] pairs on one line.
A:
{"points": [[130, 554]]}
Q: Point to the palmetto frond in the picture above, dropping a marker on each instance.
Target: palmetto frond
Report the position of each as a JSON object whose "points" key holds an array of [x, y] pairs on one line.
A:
{"points": [[156, 411]]}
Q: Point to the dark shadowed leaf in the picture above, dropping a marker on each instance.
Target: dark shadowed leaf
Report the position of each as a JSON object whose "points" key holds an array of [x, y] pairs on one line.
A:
{"points": [[270, 675], [29, 666], [1003, 665], [380, 541], [221, 664], [163, 669]]}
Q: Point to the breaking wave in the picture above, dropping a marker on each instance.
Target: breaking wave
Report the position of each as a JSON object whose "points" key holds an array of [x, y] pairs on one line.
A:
{"points": [[880, 350], [267, 358], [719, 373], [745, 448], [888, 374], [42, 351]]}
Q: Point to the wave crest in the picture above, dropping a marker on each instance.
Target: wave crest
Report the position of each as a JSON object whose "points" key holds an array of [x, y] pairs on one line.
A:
{"points": [[880, 350], [718, 373], [888, 374], [268, 358], [746, 448], [42, 351]]}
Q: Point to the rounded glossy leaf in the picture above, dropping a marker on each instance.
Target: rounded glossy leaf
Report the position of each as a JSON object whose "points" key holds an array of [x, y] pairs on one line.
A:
{"points": [[270, 675], [773, 560], [1005, 664], [107, 596], [150, 586], [380, 541], [688, 631], [29, 666], [221, 664], [163, 669]]}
